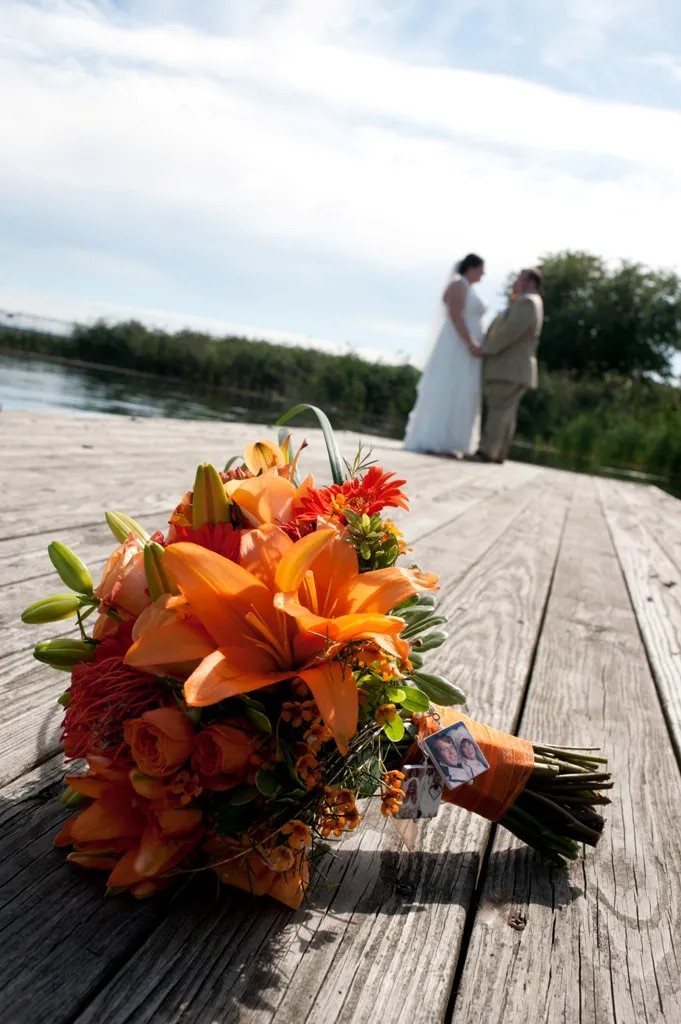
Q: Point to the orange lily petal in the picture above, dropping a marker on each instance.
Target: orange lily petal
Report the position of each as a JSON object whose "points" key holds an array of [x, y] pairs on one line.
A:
{"points": [[219, 592], [382, 589], [300, 557], [335, 692], [262, 550], [157, 854], [175, 642], [343, 627], [218, 678], [110, 818], [88, 785], [125, 873], [263, 455], [178, 821], [93, 861], [148, 786], [267, 498], [333, 568]]}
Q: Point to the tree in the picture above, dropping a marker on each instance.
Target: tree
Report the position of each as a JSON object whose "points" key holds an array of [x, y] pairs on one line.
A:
{"points": [[625, 320]]}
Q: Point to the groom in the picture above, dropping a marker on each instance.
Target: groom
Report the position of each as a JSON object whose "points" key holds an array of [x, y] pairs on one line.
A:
{"points": [[510, 365]]}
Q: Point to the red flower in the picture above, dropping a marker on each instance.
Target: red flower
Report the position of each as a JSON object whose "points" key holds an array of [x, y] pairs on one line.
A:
{"points": [[367, 494], [104, 693], [220, 537]]}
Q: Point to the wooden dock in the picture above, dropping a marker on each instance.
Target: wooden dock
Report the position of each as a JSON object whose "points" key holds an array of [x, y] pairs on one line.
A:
{"points": [[564, 600]]}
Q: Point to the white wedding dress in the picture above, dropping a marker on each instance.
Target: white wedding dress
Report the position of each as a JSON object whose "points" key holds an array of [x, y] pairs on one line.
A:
{"points": [[446, 416]]}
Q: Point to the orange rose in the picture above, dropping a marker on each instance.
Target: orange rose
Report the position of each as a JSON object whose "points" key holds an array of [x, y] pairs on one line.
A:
{"points": [[222, 754], [123, 586], [161, 741]]}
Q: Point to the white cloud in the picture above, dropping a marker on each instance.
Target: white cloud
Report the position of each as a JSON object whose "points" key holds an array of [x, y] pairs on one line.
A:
{"points": [[285, 133]]}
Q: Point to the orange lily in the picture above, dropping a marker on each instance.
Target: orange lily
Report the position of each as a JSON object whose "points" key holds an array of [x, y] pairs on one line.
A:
{"points": [[121, 831], [267, 498], [294, 618]]}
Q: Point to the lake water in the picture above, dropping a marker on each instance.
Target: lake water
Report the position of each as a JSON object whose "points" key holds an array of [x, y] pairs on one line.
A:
{"points": [[34, 384]]}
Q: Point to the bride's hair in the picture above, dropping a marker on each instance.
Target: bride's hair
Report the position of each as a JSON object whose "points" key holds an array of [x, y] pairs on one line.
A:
{"points": [[469, 263]]}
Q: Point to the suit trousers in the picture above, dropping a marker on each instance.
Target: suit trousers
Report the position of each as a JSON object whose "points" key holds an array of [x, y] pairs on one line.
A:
{"points": [[502, 399]]}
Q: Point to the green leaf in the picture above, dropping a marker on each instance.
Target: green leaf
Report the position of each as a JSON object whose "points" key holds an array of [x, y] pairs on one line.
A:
{"points": [[282, 436], [231, 819], [415, 700], [243, 795], [415, 658], [439, 689], [268, 783], [335, 461], [259, 720], [395, 694], [251, 702], [394, 730], [425, 600], [429, 642], [422, 625]]}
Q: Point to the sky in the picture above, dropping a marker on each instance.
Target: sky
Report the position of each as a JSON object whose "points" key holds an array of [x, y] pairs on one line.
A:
{"points": [[309, 170]]}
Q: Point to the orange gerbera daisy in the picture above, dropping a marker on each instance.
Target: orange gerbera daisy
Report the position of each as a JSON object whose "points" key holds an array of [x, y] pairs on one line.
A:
{"points": [[369, 493]]}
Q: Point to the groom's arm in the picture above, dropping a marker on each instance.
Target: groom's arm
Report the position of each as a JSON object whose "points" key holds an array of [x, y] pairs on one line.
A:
{"points": [[522, 316]]}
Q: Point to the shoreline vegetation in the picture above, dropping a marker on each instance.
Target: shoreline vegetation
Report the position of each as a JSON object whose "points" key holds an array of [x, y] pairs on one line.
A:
{"points": [[632, 424]]}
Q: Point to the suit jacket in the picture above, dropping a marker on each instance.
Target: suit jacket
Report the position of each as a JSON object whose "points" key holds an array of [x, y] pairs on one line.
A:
{"points": [[511, 342]]}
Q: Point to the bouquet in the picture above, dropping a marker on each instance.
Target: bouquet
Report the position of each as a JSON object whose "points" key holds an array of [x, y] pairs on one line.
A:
{"points": [[256, 667]]}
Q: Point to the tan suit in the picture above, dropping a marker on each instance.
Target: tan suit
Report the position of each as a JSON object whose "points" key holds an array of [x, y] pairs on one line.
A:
{"points": [[509, 369]]}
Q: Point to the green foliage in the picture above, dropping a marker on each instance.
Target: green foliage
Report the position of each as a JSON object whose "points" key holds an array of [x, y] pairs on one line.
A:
{"points": [[365, 395], [625, 422], [625, 320], [377, 547]]}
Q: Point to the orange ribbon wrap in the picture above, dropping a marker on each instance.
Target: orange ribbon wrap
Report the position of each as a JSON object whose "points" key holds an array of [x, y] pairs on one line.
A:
{"points": [[510, 759]]}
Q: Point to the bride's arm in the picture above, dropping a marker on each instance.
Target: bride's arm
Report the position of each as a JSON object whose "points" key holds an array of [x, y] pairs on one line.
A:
{"points": [[454, 298]]}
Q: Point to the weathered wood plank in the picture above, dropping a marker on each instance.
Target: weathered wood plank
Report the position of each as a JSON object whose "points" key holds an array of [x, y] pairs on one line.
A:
{"points": [[654, 584], [661, 513], [393, 925], [600, 941], [60, 938]]}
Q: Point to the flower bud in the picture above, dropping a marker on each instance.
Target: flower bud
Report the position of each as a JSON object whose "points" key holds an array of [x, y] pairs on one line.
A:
{"points": [[122, 525], [71, 570], [70, 798], [51, 609], [63, 653], [209, 503], [157, 578], [264, 455]]}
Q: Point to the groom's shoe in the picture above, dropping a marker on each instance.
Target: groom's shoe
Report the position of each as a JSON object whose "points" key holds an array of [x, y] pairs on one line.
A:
{"points": [[478, 457]]}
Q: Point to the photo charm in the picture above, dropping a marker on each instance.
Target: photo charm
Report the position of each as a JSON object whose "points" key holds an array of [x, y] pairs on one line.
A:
{"points": [[455, 755], [422, 787]]}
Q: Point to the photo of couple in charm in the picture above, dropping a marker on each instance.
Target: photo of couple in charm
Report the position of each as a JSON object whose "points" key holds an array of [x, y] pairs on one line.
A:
{"points": [[453, 759]]}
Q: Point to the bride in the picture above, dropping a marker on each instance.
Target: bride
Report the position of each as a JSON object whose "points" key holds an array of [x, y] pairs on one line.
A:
{"points": [[446, 416]]}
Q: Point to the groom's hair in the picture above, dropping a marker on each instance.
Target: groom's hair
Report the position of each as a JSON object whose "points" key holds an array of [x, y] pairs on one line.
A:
{"points": [[535, 276]]}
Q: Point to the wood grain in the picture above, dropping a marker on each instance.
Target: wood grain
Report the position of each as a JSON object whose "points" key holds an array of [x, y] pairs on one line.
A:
{"points": [[654, 585], [600, 941]]}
